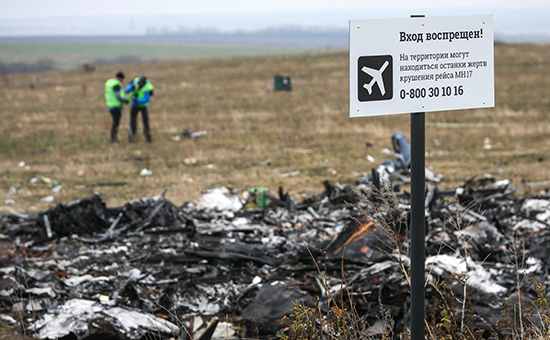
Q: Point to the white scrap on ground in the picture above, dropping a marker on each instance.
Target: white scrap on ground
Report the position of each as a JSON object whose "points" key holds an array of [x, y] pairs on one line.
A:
{"points": [[536, 204], [220, 199], [77, 280], [74, 315], [145, 172], [476, 276]]}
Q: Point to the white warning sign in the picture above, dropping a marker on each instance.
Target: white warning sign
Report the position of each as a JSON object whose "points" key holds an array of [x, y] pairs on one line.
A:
{"points": [[421, 64]]}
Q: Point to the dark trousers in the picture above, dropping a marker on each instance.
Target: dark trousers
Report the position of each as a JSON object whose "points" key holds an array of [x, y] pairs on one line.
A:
{"points": [[144, 118], [116, 112]]}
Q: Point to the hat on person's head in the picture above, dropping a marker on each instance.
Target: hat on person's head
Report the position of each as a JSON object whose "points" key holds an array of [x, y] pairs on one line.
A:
{"points": [[119, 75], [142, 80]]}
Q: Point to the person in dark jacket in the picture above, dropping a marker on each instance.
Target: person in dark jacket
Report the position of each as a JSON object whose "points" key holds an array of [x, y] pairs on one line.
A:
{"points": [[115, 99], [140, 90]]}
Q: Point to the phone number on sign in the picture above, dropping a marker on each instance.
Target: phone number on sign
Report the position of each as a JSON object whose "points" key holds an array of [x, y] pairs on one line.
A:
{"points": [[443, 91]]}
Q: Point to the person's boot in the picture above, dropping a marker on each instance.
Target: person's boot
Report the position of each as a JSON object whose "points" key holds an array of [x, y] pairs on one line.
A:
{"points": [[149, 139], [114, 138]]}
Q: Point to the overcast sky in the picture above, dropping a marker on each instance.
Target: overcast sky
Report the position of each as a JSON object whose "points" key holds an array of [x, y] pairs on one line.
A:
{"points": [[45, 8], [51, 17]]}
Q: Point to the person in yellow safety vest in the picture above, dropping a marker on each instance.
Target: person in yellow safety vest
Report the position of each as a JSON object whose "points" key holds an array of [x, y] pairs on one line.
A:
{"points": [[115, 99], [141, 90]]}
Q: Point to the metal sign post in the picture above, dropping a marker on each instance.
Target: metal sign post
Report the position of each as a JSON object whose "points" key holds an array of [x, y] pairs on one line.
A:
{"points": [[418, 178], [418, 220], [418, 65]]}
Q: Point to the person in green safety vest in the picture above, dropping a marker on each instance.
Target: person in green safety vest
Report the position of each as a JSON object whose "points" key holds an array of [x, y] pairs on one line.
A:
{"points": [[115, 99], [141, 90]]}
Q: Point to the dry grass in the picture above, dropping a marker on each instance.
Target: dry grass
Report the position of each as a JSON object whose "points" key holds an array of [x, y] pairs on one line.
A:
{"points": [[60, 128]]}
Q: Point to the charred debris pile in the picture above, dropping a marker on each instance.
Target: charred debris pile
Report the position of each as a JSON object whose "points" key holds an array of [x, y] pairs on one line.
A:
{"points": [[228, 267]]}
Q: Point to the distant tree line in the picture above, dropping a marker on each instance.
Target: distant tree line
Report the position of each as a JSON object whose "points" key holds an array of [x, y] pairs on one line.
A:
{"points": [[19, 67]]}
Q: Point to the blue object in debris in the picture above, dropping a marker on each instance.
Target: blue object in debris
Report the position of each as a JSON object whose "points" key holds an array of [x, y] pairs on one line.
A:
{"points": [[402, 150]]}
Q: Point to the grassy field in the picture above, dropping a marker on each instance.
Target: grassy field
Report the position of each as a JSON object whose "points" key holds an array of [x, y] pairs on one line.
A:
{"points": [[57, 124], [74, 54]]}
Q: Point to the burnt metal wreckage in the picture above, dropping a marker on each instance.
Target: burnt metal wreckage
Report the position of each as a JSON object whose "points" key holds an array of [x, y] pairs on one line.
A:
{"points": [[224, 268]]}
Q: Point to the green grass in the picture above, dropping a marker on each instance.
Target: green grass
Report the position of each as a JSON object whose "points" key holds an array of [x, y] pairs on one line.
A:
{"points": [[74, 54], [59, 127]]}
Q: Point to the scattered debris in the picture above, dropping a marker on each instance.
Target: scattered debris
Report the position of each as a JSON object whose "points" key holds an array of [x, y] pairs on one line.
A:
{"points": [[57, 189], [221, 199], [190, 161], [395, 171], [487, 143], [145, 172], [256, 197], [290, 174], [192, 135], [224, 268], [48, 199], [86, 317], [45, 180]]}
